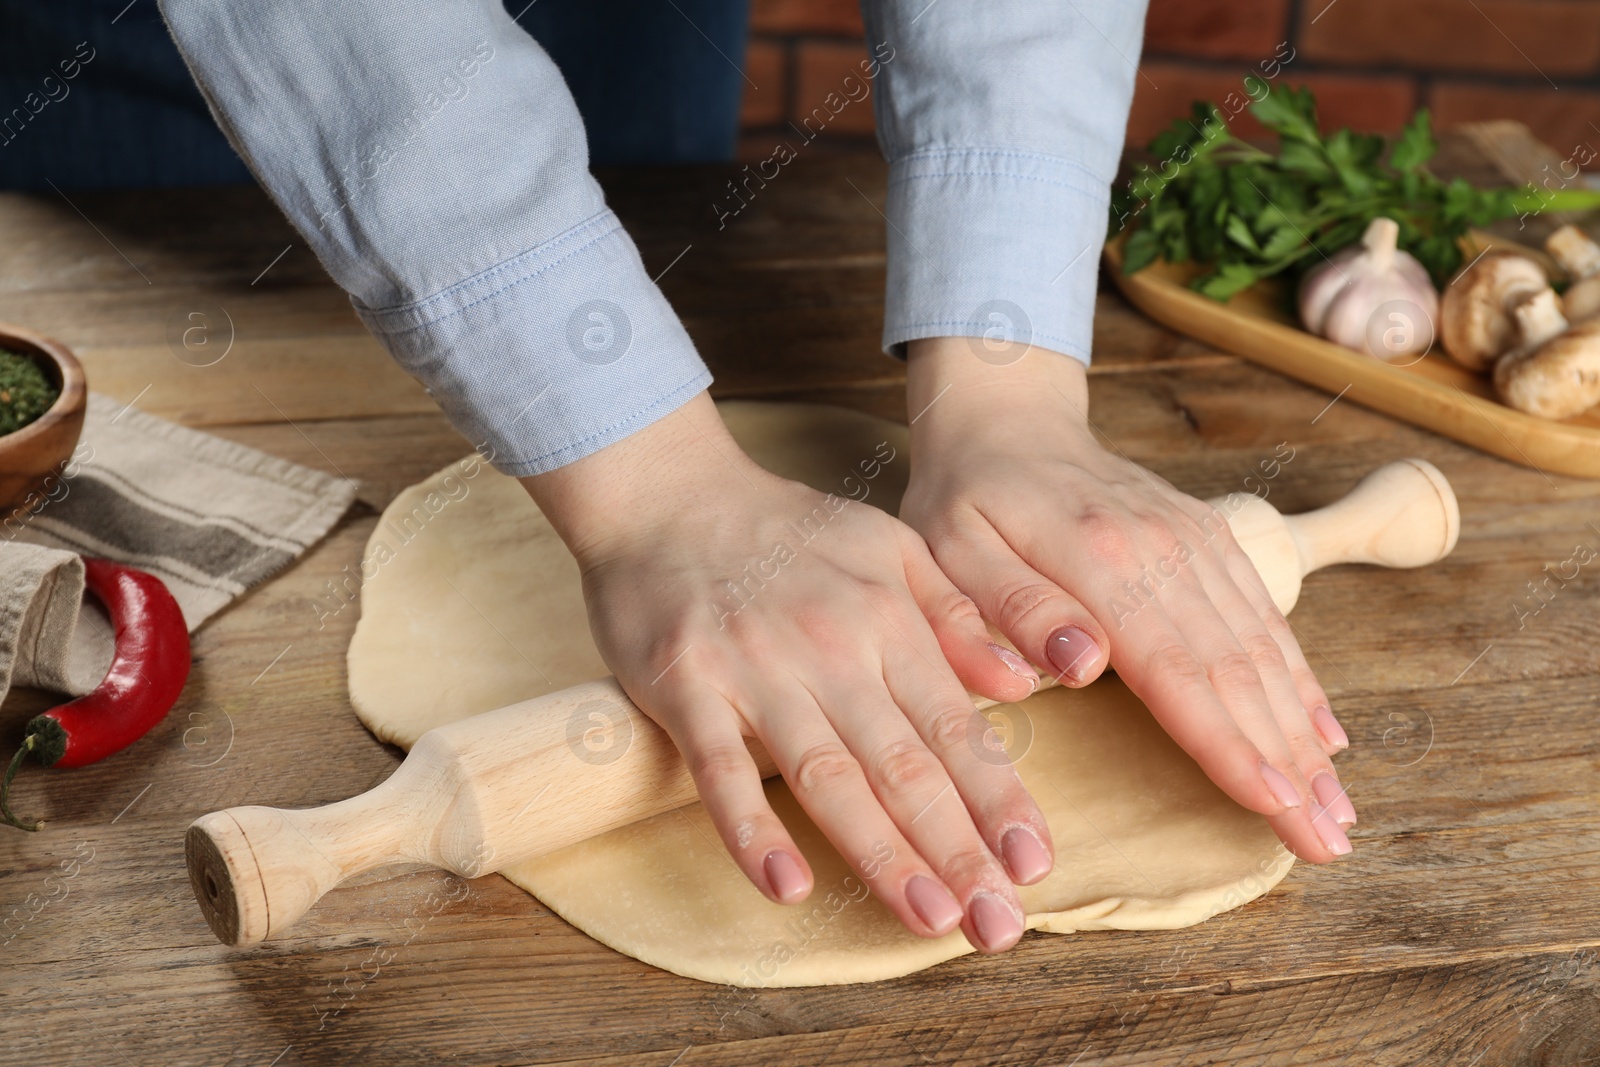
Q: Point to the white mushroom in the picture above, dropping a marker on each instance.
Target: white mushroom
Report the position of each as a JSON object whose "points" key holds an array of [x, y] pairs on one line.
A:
{"points": [[1579, 256], [1475, 320], [1555, 372]]}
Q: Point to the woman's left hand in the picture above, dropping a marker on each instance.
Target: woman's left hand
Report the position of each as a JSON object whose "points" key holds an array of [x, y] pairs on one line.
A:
{"points": [[1048, 532]]}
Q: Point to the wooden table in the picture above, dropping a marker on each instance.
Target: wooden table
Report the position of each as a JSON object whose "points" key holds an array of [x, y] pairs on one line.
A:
{"points": [[1464, 929]]}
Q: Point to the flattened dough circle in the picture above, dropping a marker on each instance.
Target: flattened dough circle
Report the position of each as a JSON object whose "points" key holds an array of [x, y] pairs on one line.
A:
{"points": [[471, 602]]}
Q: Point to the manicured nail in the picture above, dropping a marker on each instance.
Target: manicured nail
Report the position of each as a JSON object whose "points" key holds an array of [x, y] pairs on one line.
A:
{"points": [[996, 925], [1072, 653], [1331, 795], [788, 881], [1019, 666], [1024, 855], [1326, 725], [933, 904], [1329, 830], [1281, 787]]}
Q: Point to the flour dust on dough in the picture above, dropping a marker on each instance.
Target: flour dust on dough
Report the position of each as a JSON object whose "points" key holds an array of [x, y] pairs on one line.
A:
{"points": [[472, 602]]}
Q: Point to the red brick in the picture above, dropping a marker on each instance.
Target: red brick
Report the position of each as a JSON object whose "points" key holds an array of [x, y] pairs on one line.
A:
{"points": [[765, 64], [841, 17], [1216, 29], [822, 69], [1535, 38], [1368, 103], [1560, 119]]}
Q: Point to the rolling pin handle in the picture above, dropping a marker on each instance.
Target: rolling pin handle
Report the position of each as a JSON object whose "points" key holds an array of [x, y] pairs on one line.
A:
{"points": [[1404, 514], [256, 871]]}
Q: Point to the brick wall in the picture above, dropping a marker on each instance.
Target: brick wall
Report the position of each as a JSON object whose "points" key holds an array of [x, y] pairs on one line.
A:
{"points": [[1371, 63]]}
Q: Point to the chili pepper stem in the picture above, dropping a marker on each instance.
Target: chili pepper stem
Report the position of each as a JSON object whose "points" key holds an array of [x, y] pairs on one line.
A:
{"points": [[5, 787]]}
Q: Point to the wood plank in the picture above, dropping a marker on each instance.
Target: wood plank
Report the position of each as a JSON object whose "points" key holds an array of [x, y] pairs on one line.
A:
{"points": [[1441, 841], [1463, 926]]}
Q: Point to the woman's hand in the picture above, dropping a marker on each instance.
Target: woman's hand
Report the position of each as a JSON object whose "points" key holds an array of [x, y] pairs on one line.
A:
{"points": [[1066, 547], [732, 603]]}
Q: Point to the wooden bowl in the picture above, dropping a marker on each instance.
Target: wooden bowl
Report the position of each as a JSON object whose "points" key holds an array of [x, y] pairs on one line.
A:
{"points": [[40, 450]]}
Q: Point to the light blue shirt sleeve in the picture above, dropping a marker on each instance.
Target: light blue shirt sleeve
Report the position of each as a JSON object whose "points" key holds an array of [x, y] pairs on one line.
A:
{"points": [[1003, 122], [432, 157]]}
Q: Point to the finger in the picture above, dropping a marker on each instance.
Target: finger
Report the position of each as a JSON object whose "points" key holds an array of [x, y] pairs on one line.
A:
{"points": [[1305, 736], [983, 665], [1155, 660], [830, 785], [729, 784], [1312, 696], [919, 795], [987, 790], [983, 772], [1253, 684], [1046, 623], [922, 754]]}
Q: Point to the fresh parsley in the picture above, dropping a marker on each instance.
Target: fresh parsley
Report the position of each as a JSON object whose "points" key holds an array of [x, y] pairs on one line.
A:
{"points": [[1248, 214]]}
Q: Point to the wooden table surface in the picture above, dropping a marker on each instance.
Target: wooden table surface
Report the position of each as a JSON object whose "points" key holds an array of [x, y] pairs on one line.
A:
{"points": [[1464, 929]]}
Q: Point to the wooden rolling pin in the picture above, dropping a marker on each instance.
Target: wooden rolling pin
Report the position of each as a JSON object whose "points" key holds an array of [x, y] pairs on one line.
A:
{"points": [[468, 796]]}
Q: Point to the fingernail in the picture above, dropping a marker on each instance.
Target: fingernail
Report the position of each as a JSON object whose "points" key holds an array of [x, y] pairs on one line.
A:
{"points": [[933, 904], [788, 881], [1281, 787], [1019, 666], [1329, 830], [996, 925], [1331, 795], [1025, 856], [1326, 725], [1072, 653]]}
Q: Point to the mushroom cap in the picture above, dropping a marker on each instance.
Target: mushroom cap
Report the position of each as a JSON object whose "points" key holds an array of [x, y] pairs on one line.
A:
{"points": [[1582, 298], [1556, 380], [1475, 321], [1577, 253]]}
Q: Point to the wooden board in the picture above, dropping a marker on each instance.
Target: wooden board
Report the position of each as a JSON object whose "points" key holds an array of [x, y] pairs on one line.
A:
{"points": [[1461, 929], [1433, 392]]}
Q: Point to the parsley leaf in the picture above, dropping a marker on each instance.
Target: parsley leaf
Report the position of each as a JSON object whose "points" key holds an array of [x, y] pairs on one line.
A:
{"points": [[1248, 214]]}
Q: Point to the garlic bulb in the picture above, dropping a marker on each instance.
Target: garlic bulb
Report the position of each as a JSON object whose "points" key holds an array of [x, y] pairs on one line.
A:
{"points": [[1372, 297]]}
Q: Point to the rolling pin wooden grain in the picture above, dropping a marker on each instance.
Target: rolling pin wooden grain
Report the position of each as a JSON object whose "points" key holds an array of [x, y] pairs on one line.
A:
{"points": [[488, 791]]}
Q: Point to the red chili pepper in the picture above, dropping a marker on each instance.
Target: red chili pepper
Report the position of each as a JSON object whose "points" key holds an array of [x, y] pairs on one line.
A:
{"points": [[147, 673]]}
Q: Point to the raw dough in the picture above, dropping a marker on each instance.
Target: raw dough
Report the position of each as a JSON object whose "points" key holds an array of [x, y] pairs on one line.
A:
{"points": [[472, 602]]}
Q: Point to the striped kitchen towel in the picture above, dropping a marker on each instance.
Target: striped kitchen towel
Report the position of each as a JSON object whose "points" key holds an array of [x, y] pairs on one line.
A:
{"points": [[210, 518]]}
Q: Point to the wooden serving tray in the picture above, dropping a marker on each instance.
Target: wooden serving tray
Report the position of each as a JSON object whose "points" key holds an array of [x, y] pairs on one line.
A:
{"points": [[1434, 392]]}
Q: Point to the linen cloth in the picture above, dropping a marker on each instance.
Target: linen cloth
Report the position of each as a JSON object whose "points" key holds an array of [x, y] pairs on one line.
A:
{"points": [[209, 517]]}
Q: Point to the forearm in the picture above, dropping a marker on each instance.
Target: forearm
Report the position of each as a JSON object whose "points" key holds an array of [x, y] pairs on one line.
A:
{"points": [[633, 489], [960, 388], [1003, 125], [430, 155]]}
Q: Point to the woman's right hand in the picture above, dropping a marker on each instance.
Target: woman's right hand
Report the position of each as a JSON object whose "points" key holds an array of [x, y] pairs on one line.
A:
{"points": [[732, 603]]}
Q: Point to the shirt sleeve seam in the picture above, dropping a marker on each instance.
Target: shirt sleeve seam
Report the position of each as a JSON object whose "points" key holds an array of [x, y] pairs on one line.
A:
{"points": [[907, 178], [1000, 153], [377, 317], [695, 384], [1069, 347]]}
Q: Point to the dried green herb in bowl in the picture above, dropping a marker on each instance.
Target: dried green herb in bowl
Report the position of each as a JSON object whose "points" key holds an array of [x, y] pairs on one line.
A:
{"points": [[25, 391]]}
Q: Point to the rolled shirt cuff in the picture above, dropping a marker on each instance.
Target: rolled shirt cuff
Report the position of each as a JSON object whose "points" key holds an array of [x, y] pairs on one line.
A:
{"points": [[550, 355], [961, 266]]}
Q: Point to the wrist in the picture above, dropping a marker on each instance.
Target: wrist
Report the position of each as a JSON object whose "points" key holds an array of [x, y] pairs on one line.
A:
{"points": [[637, 485], [957, 387]]}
